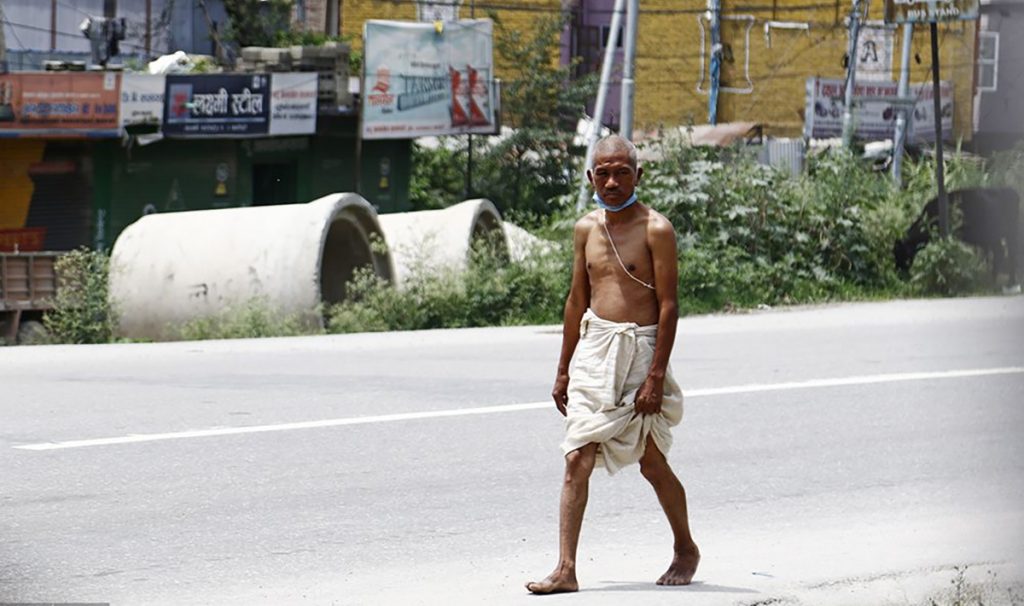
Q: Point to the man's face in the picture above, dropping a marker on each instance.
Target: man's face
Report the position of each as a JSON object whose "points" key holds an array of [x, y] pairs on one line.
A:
{"points": [[613, 178]]}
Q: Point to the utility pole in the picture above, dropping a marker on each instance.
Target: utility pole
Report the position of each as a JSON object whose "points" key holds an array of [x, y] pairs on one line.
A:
{"points": [[333, 17], [940, 169], [469, 143], [905, 111], [149, 28], [851, 75], [628, 69], [602, 96], [109, 8], [53, 25]]}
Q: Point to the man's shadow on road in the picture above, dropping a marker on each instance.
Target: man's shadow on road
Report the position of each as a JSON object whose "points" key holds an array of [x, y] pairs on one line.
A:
{"points": [[694, 587]]}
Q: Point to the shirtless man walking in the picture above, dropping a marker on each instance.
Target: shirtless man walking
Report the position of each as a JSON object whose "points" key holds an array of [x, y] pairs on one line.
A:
{"points": [[618, 395]]}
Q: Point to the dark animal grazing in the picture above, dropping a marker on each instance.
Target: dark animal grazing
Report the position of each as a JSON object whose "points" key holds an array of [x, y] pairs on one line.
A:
{"points": [[989, 221]]}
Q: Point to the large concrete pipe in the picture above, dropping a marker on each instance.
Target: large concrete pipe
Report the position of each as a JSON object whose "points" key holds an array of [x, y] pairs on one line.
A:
{"points": [[168, 269], [441, 240]]}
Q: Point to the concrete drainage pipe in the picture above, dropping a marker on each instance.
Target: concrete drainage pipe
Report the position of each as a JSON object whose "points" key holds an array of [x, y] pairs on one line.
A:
{"points": [[433, 241], [168, 269]]}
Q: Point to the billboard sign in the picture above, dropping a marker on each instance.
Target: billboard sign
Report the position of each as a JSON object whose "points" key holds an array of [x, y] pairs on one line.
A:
{"points": [[59, 104], [930, 11], [419, 81], [875, 113], [293, 100], [217, 105]]}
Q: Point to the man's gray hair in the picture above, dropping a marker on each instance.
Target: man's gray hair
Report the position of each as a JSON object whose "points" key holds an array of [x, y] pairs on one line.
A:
{"points": [[614, 144]]}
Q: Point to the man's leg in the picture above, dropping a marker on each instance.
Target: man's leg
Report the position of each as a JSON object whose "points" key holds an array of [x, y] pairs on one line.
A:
{"points": [[578, 466], [672, 497]]}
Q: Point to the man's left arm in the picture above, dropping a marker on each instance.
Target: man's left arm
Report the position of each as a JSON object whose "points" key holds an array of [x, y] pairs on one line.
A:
{"points": [[662, 240]]}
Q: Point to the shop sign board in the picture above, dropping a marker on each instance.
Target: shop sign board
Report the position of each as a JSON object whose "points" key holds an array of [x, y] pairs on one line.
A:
{"points": [[59, 104], [217, 105]]}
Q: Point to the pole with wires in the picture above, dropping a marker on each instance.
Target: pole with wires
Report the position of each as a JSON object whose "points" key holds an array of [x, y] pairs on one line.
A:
{"points": [[851, 75], [602, 96], [628, 70]]}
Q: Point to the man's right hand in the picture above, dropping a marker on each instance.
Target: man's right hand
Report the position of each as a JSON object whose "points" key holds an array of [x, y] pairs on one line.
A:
{"points": [[561, 392]]}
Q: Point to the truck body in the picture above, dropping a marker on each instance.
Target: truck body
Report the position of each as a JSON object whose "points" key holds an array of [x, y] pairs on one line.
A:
{"points": [[28, 287]]}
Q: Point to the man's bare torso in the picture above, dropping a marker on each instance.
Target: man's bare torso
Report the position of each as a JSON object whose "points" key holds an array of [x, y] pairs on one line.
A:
{"points": [[613, 294]]}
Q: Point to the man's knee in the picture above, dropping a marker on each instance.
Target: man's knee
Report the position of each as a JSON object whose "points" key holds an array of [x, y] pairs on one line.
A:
{"points": [[654, 467], [580, 463]]}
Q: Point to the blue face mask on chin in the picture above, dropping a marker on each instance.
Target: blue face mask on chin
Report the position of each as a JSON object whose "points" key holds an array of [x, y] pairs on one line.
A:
{"points": [[614, 209]]}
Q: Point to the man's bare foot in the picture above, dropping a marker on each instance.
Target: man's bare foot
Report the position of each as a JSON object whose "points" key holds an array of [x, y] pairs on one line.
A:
{"points": [[559, 581], [682, 569]]}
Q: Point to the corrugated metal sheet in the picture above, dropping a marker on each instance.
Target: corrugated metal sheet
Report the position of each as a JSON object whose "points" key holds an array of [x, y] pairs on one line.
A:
{"points": [[784, 154]]}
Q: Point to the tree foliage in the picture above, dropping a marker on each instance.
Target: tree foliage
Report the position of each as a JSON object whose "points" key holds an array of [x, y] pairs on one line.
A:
{"points": [[257, 22]]}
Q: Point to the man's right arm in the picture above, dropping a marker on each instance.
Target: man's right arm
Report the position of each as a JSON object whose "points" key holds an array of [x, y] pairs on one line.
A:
{"points": [[575, 306]]}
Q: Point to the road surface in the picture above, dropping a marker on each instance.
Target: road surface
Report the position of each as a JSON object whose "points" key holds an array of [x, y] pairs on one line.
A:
{"points": [[845, 454]]}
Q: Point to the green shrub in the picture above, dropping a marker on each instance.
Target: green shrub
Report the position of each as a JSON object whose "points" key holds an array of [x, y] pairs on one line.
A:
{"points": [[490, 292], [255, 319], [947, 267], [82, 310]]}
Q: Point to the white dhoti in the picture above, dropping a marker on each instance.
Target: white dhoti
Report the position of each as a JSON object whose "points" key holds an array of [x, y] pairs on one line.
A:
{"points": [[611, 363]]}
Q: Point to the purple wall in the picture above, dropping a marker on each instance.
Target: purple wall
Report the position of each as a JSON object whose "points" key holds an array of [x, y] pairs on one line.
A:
{"points": [[585, 37]]}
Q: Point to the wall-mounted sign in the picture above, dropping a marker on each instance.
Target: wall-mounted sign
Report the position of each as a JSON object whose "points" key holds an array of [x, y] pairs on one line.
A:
{"points": [[231, 105], [59, 104], [928, 11], [874, 54], [420, 81], [142, 100], [293, 103], [874, 113], [437, 11]]}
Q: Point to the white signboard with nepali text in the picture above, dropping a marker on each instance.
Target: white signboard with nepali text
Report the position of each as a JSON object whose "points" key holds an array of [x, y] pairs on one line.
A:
{"points": [[419, 81], [142, 100], [293, 103]]}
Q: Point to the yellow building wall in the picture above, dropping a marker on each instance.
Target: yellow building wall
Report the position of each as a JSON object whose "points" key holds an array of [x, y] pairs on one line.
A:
{"points": [[668, 68], [669, 63]]}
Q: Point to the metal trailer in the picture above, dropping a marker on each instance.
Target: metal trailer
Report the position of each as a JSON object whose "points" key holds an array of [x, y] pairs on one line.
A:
{"points": [[28, 287]]}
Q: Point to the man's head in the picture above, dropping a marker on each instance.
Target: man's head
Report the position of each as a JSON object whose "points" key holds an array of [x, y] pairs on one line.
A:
{"points": [[614, 172]]}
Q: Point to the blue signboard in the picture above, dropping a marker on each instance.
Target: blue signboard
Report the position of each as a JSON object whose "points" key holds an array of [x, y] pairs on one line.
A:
{"points": [[212, 105]]}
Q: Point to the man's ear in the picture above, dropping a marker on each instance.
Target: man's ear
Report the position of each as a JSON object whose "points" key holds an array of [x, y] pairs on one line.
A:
{"points": [[590, 176], [639, 173]]}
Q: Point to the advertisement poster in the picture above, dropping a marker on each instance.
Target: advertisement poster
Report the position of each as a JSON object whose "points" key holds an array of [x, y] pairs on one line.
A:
{"points": [[293, 101], [59, 104], [419, 81], [142, 100], [217, 105], [875, 118]]}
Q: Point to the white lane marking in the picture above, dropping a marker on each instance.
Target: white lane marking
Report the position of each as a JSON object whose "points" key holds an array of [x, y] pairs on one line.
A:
{"points": [[484, 410]]}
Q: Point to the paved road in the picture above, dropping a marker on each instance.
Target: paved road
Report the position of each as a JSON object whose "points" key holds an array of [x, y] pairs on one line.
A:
{"points": [[848, 454]]}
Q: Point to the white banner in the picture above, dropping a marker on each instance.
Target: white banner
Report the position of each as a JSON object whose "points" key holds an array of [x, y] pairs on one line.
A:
{"points": [[418, 81], [874, 117], [293, 100], [142, 100]]}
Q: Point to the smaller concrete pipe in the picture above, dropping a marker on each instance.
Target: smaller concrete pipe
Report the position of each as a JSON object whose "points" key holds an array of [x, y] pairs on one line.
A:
{"points": [[441, 240], [168, 269]]}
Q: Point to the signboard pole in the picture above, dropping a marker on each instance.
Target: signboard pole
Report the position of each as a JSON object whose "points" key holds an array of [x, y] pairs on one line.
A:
{"points": [[905, 112], [940, 178], [469, 143], [851, 75]]}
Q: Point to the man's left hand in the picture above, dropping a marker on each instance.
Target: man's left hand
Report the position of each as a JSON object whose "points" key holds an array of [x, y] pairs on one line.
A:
{"points": [[649, 396]]}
